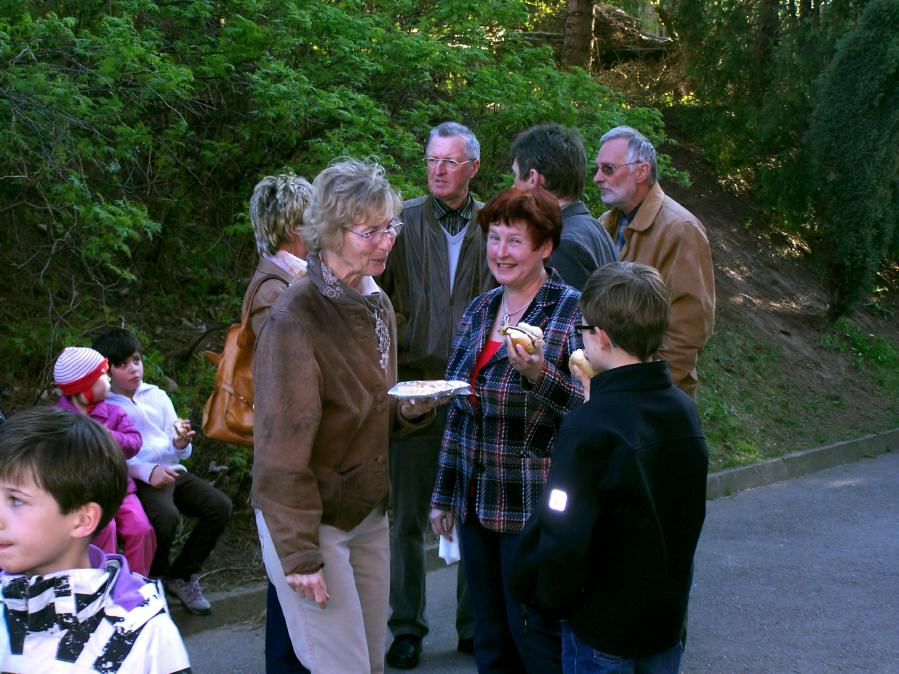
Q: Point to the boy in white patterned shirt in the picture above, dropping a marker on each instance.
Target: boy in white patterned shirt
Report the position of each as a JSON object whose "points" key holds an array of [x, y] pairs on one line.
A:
{"points": [[165, 488], [66, 605]]}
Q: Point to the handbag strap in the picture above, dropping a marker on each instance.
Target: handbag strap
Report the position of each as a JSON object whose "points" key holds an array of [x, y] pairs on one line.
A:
{"points": [[245, 319]]}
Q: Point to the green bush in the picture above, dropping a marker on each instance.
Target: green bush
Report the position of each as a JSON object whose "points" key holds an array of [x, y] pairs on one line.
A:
{"points": [[852, 141], [773, 125], [134, 132]]}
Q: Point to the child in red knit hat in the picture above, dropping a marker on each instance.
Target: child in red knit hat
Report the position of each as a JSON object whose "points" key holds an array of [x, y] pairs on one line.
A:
{"points": [[80, 375]]}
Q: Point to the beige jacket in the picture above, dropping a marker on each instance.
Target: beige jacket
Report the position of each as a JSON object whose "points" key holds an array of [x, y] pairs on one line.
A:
{"points": [[665, 235]]}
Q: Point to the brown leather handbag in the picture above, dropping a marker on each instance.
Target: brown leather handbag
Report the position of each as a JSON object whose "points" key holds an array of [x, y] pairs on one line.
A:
{"points": [[228, 415]]}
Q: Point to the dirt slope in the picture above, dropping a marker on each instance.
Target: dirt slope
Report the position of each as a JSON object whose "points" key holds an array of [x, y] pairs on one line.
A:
{"points": [[769, 300]]}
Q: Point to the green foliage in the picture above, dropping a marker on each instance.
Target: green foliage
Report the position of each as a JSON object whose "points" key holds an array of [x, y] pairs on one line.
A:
{"points": [[852, 141], [135, 130], [874, 351], [778, 104]]}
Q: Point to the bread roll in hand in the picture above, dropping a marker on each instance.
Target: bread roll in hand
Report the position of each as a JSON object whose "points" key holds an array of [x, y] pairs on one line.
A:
{"points": [[528, 337], [579, 358]]}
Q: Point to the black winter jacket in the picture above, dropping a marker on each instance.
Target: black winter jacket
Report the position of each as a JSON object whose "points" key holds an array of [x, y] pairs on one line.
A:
{"points": [[610, 547]]}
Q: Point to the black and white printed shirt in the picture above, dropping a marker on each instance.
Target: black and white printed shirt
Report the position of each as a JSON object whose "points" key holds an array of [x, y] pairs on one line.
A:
{"points": [[101, 619]]}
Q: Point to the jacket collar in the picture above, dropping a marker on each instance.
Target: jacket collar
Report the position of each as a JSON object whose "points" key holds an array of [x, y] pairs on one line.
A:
{"points": [[540, 311], [471, 229], [266, 266], [637, 377], [649, 209], [371, 299], [108, 575], [574, 208], [99, 411]]}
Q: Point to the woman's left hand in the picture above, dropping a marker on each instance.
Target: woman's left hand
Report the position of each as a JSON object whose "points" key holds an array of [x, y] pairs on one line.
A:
{"points": [[412, 408], [529, 365]]}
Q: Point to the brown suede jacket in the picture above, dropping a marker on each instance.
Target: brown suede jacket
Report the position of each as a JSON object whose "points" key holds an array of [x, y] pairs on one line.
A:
{"points": [[322, 415], [665, 235]]}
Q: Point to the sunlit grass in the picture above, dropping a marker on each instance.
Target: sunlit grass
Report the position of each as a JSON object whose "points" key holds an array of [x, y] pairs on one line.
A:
{"points": [[756, 402]]}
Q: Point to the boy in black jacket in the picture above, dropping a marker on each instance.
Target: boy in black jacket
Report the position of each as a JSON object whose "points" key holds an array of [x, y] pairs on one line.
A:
{"points": [[610, 549]]}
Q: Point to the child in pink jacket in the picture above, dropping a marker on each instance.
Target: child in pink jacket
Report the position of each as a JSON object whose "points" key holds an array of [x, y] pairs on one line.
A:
{"points": [[80, 374]]}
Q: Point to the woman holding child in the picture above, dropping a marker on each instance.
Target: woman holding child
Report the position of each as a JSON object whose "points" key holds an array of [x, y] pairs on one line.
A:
{"points": [[498, 443], [324, 361]]}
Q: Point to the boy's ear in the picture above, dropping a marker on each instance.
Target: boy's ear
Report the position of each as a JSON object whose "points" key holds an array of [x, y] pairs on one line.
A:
{"points": [[605, 342], [86, 520]]}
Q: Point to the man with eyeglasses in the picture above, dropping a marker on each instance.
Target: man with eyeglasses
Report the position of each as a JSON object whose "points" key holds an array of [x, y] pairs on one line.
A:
{"points": [[552, 156], [651, 228], [437, 266]]}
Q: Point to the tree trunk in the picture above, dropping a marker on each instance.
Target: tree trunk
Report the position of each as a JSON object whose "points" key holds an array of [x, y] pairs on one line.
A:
{"points": [[805, 10], [666, 19], [577, 47], [767, 37]]}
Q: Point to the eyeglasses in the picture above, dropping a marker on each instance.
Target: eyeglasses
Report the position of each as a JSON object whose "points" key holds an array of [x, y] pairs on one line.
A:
{"points": [[451, 165], [392, 230], [579, 327], [609, 169]]}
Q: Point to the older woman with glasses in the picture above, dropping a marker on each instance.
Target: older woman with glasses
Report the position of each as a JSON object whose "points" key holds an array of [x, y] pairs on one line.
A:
{"points": [[324, 361], [276, 213], [498, 443]]}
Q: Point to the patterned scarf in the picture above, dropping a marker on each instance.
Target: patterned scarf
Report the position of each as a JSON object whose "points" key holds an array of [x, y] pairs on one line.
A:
{"points": [[335, 289]]}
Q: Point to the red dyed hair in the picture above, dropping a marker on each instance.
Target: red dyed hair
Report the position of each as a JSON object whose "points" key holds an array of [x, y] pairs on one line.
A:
{"points": [[537, 209]]}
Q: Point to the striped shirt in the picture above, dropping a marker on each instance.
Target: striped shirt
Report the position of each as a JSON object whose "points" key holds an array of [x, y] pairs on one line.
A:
{"points": [[453, 220], [102, 619]]}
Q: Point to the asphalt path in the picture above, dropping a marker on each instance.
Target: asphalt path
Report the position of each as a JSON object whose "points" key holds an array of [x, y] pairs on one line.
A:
{"points": [[799, 576]]}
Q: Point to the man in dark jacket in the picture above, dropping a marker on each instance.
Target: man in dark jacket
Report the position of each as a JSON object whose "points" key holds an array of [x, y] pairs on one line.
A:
{"points": [[437, 266], [551, 156], [610, 547]]}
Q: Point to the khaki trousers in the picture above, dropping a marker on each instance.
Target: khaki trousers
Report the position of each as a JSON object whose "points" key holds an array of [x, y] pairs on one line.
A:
{"points": [[348, 636]]}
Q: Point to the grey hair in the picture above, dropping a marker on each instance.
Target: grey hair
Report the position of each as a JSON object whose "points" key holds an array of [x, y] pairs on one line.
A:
{"points": [[450, 129], [276, 210], [346, 192], [638, 148]]}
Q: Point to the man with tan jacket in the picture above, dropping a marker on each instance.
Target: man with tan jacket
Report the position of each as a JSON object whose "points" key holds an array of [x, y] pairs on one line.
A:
{"points": [[650, 227]]}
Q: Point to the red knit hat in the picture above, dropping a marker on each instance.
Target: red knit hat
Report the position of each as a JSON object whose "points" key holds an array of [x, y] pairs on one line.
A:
{"points": [[77, 369]]}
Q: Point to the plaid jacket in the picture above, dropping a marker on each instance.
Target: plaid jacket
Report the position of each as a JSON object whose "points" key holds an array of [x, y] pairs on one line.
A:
{"points": [[500, 446]]}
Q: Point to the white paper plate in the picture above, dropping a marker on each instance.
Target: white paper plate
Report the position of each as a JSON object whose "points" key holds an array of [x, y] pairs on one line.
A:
{"points": [[434, 388]]}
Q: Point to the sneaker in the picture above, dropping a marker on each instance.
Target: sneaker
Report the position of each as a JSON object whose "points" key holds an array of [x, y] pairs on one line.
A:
{"points": [[190, 594]]}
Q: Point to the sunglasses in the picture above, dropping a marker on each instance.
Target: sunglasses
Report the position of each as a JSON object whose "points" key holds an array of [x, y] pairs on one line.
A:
{"points": [[609, 169], [581, 328]]}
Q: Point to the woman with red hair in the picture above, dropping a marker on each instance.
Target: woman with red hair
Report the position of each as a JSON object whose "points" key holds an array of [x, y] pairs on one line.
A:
{"points": [[498, 442]]}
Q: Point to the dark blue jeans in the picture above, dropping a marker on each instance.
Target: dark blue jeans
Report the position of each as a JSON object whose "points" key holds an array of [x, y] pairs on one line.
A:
{"points": [[506, 640], [280, 657], [581, 658]]}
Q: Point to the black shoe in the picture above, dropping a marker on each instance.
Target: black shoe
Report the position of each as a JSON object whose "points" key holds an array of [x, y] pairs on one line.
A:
{"points": [[404, 652], [466, 645]]}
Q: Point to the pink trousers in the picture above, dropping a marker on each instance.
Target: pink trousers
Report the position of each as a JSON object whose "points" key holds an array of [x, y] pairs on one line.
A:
{"points": [[131, 526]]}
